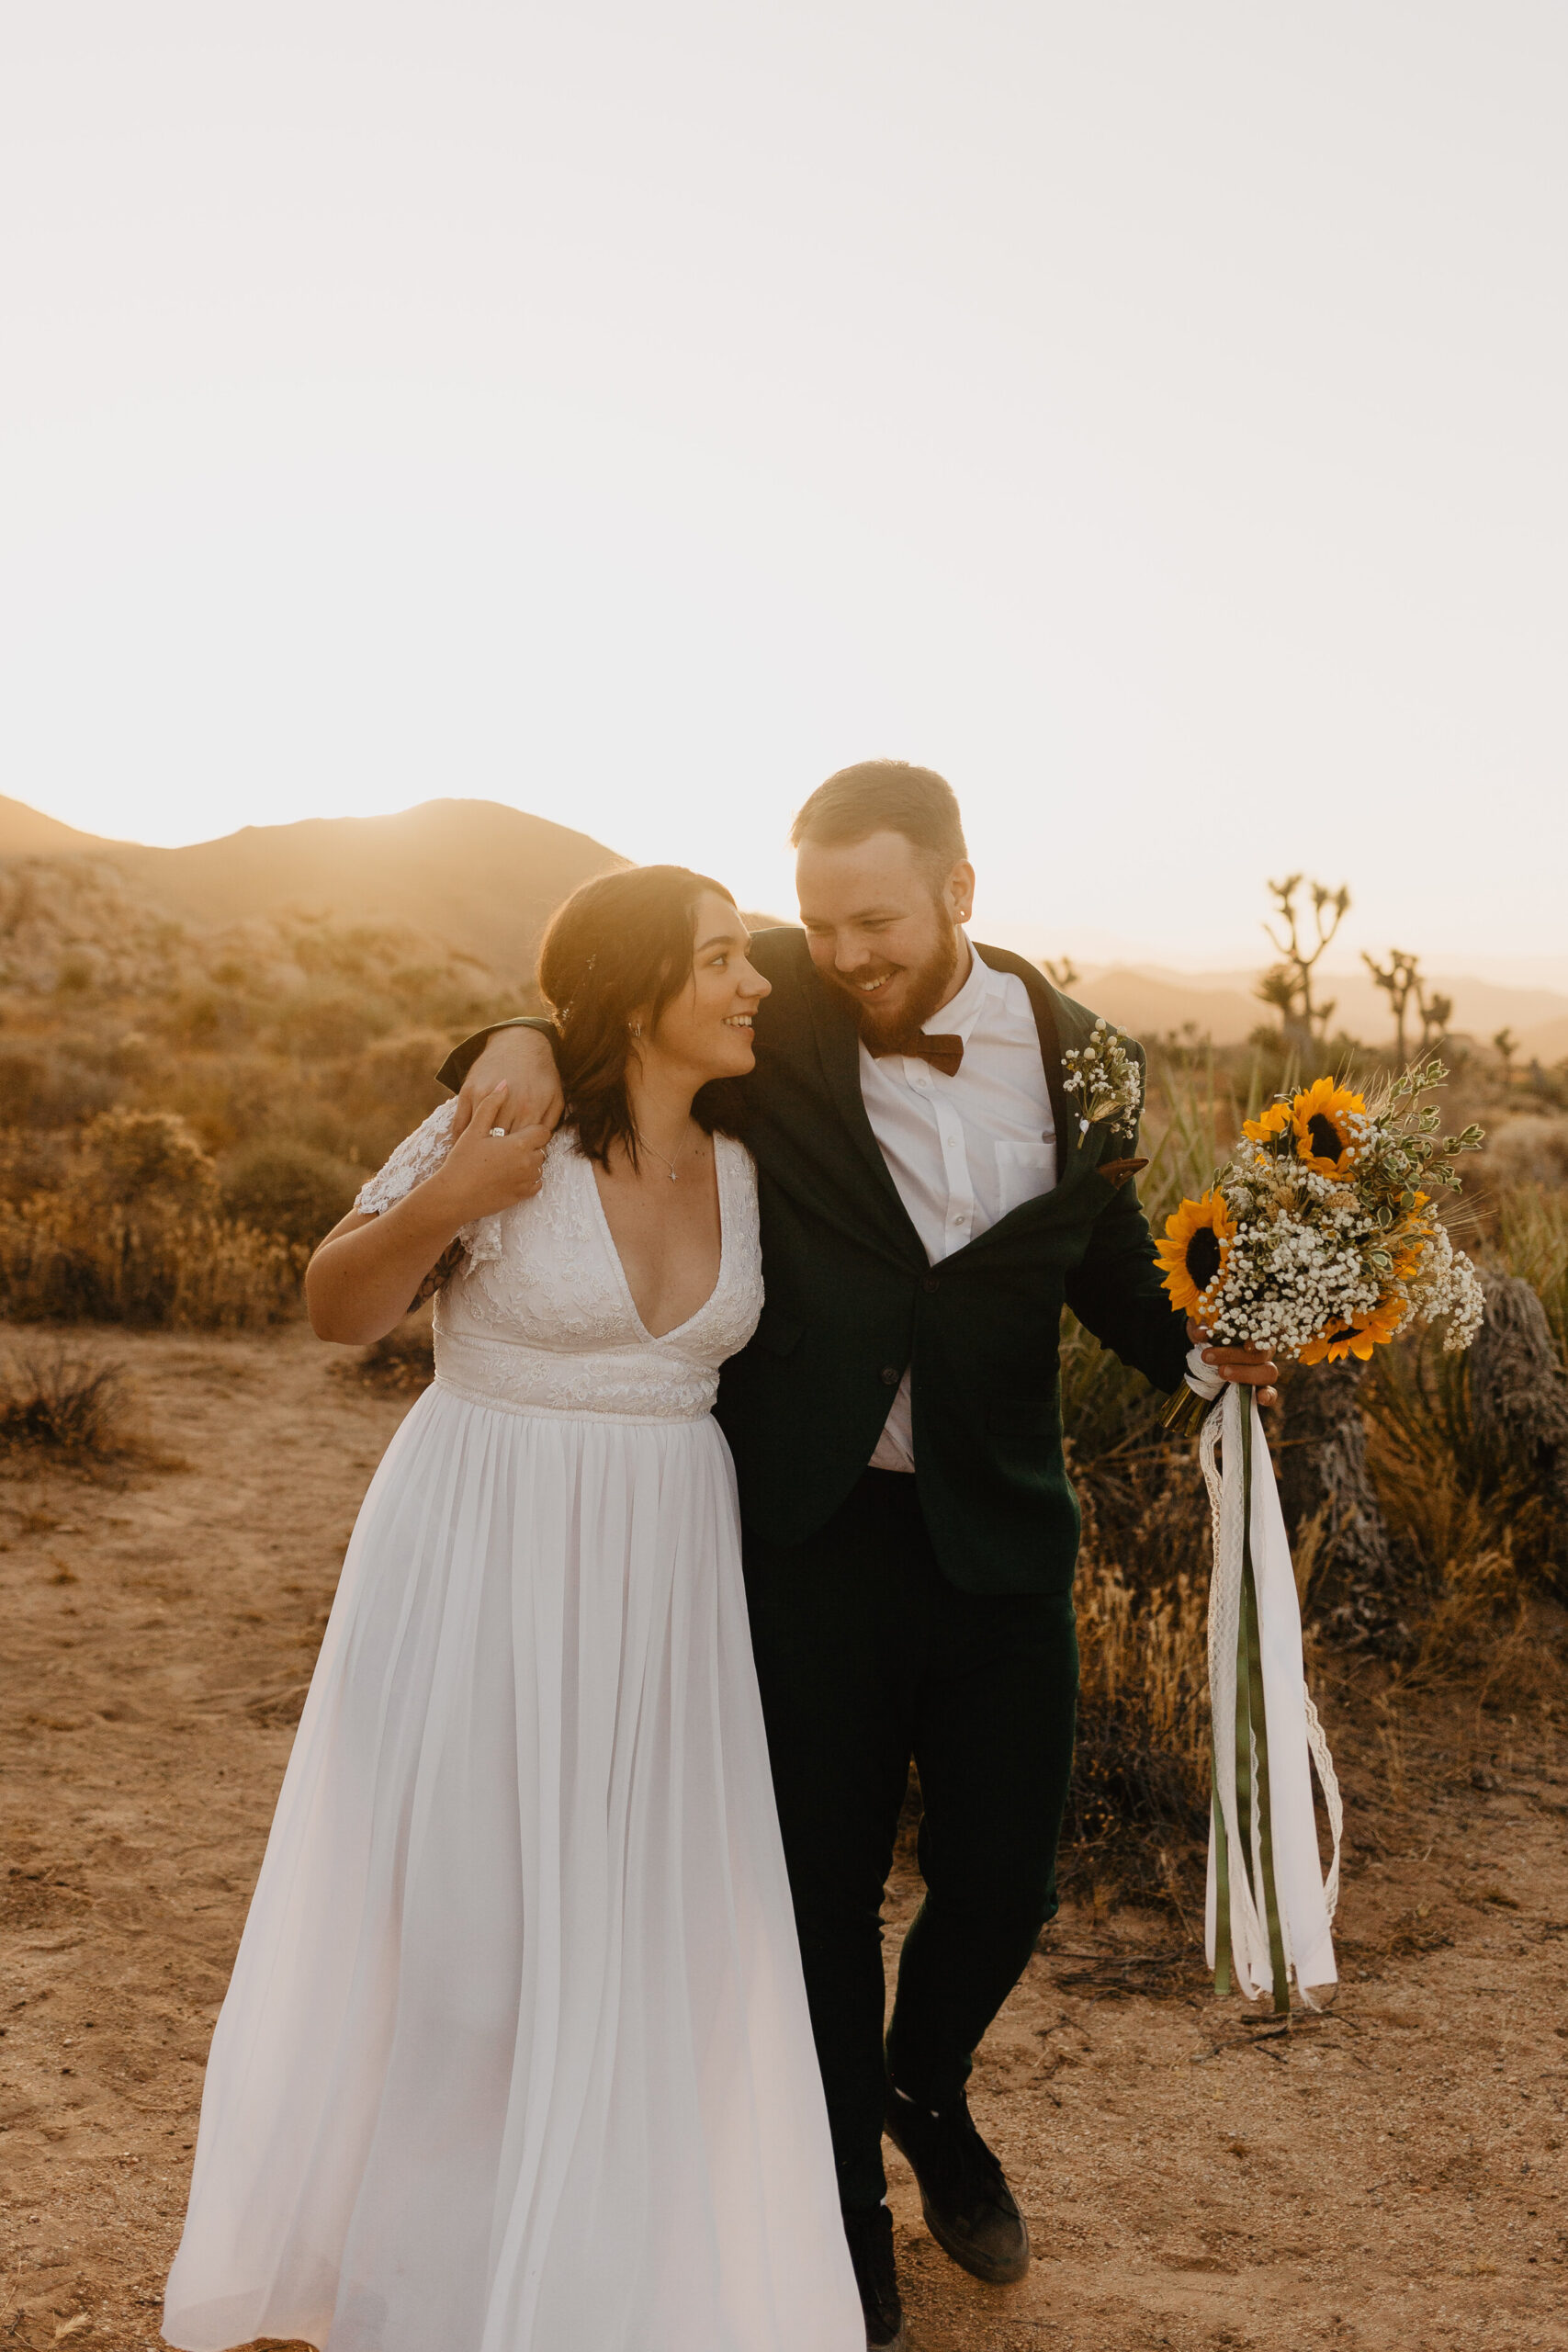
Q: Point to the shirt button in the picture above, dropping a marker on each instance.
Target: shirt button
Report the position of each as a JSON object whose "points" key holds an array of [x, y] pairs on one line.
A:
{"points": [[931, 1282], [891, 1376]]}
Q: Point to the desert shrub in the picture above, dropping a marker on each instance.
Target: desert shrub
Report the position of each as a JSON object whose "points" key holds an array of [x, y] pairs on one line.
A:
{"points": [[326, 1024], [72, 1257], [1529, 1151], [396, 1074], [1532, 1226], [1137, 1810], [352, 951], [47, 1085], [32, 1159], [1475, 1533], [145, 1157], [61, 1406], [399, 1364], [229, 1099], [77, 975], [287, 1187], [202, 1018], [1138, 1805], [23, 1079], [1467, 1515]]}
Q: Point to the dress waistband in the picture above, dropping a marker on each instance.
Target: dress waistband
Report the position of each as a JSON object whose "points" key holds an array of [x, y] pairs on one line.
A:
{"points": [[529, 1412], [611, 1383]]}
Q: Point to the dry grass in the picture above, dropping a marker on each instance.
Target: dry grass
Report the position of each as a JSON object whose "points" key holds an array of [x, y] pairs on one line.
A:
{"points": [[67, 1256], [61, 1409], [131, 1231], [1138, 1807], [59, 1405], [401, 1365]]}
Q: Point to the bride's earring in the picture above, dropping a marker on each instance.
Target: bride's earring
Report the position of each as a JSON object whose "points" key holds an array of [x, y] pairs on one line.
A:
{"points": [[636, 1028]]}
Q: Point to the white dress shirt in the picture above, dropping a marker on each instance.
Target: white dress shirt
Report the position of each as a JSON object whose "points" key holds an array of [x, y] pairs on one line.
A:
{"points": [[963, 1151]]}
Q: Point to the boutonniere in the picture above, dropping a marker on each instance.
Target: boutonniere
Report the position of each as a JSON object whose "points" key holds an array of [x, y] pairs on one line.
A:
{"points": [[1106, 1079]]}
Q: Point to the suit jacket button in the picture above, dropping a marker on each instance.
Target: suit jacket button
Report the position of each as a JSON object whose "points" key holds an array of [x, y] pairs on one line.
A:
{"points": [[931, 1282], [891, 1376]]}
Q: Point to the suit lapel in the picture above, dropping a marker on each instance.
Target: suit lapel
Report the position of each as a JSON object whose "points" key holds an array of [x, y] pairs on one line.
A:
{"points": [[1068, 1139], [837, 1043]]}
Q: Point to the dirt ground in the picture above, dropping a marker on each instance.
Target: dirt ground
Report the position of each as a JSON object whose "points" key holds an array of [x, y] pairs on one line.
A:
{"points": [[1387, 2176]]}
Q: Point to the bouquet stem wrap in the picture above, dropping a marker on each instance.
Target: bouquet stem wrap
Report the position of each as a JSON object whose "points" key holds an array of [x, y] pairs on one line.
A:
{"points": [[1269, 1911]]}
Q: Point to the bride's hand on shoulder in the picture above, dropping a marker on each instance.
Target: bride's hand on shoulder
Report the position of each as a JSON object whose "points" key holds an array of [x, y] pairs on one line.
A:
{"points": [[522, 1065], [486, 1169]]}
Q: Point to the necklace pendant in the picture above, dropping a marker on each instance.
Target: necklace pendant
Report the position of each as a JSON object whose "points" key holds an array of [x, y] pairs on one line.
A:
{"points": [[672, 1175]]}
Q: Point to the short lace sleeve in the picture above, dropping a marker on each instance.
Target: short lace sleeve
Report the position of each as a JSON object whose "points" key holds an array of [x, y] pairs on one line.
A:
{"points": [[417, 1157]]}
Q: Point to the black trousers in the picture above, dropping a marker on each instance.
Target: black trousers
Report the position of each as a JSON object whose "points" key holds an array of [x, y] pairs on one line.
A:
{"points": [[866, 1656]]}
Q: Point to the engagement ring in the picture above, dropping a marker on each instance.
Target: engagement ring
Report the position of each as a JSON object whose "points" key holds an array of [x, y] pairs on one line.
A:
{"points": [[498, 1131]]}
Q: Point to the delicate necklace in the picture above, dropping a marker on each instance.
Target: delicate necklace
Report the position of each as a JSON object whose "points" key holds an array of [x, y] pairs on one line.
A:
{"points": [[658, 1154]]}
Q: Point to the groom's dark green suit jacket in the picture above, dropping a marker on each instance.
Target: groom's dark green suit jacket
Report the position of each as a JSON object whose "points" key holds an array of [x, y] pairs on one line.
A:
{"points": [[852, 1301]]}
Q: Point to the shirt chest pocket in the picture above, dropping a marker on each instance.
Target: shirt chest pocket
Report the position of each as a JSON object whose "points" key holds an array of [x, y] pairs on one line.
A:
{"points": [[1024, 1170]]}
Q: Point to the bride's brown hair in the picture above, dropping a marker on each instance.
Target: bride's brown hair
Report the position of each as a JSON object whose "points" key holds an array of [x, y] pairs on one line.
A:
{"points": [[619, 950]]}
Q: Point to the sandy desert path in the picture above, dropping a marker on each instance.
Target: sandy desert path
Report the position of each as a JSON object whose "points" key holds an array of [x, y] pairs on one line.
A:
{"points": [[1390, 2176]]}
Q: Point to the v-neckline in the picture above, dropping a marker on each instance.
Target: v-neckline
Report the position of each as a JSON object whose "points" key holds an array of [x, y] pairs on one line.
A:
{"points": [[654, 1337]]}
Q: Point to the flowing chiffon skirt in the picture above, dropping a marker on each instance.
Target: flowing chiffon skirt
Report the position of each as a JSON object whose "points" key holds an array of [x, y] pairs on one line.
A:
{"points": [[516, 2055]]}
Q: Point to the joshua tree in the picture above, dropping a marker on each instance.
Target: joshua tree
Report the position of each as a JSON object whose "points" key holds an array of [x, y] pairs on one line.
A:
{"points": [[1061, 971], [1400, 980], [1508, 1046], [1288, 984], [1436, 1012]]}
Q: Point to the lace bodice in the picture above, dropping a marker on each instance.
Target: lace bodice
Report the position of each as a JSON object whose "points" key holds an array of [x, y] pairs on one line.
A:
{"points": [[539, 1317]]}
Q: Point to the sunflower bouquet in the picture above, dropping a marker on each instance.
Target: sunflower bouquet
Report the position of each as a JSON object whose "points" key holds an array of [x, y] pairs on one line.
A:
{"points": [[1320, 1237]]}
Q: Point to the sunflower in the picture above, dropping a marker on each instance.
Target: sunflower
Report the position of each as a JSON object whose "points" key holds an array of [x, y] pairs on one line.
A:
{"points": [[1197, 1243], [1274, 1122], [1412, 1242], [1359, 1336], [1322, 1118]]}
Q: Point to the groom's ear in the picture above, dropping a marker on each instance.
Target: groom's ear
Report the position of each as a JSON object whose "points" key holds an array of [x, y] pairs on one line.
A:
{"points": [[958, 895]]}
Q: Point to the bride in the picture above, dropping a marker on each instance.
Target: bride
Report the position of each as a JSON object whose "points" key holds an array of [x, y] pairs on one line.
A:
{"points": [[516, 2056]]}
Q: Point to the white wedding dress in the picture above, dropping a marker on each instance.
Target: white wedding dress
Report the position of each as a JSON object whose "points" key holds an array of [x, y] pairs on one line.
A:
{"points": [[516, 2055]]}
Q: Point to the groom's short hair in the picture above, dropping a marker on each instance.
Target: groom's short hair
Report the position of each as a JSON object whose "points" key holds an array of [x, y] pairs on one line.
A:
{"points": [[884, 797]]}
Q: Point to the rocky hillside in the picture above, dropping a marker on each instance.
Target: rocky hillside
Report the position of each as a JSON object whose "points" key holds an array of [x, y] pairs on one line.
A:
{"points": [[73, 931], [477, 879]]}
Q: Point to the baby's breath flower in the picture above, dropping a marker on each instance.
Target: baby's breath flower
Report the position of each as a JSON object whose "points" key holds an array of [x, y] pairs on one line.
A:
{"points": [[1329, 1245], [1106, 1078]]}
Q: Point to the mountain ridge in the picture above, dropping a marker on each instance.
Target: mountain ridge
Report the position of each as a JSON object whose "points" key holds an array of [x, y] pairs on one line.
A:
{"points": [[481, 875], [484, 878]]}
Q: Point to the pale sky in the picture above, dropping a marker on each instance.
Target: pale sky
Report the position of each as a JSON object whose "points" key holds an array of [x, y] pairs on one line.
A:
{"points": [[1151, 414]]}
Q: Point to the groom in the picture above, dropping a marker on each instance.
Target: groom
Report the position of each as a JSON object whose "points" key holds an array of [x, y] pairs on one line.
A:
{"points": [[930, 1203]]}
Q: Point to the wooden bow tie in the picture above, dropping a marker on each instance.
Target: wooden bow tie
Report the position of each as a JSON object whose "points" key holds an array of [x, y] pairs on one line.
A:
{"points": [[946, 1053]]}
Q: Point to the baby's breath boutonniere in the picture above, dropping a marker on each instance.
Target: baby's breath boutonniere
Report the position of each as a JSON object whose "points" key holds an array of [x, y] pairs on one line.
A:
{"points": [[1106, 1079]]}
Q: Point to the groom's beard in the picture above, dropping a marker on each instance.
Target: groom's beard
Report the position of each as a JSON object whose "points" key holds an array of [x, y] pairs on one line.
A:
{"points": [[925, 985]]}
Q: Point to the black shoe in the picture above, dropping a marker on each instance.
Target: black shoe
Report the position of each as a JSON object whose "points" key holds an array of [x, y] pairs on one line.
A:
{"points": [[969, 2208], [871, 2250]]}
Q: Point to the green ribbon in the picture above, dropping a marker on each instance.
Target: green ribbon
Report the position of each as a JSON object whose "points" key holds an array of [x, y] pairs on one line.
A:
{"points": [[1222, 1895], [1251, 1723]]}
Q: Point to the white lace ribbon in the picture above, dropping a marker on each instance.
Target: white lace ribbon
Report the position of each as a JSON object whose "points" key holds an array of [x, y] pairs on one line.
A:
{"points": [[1256, 1663]]}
